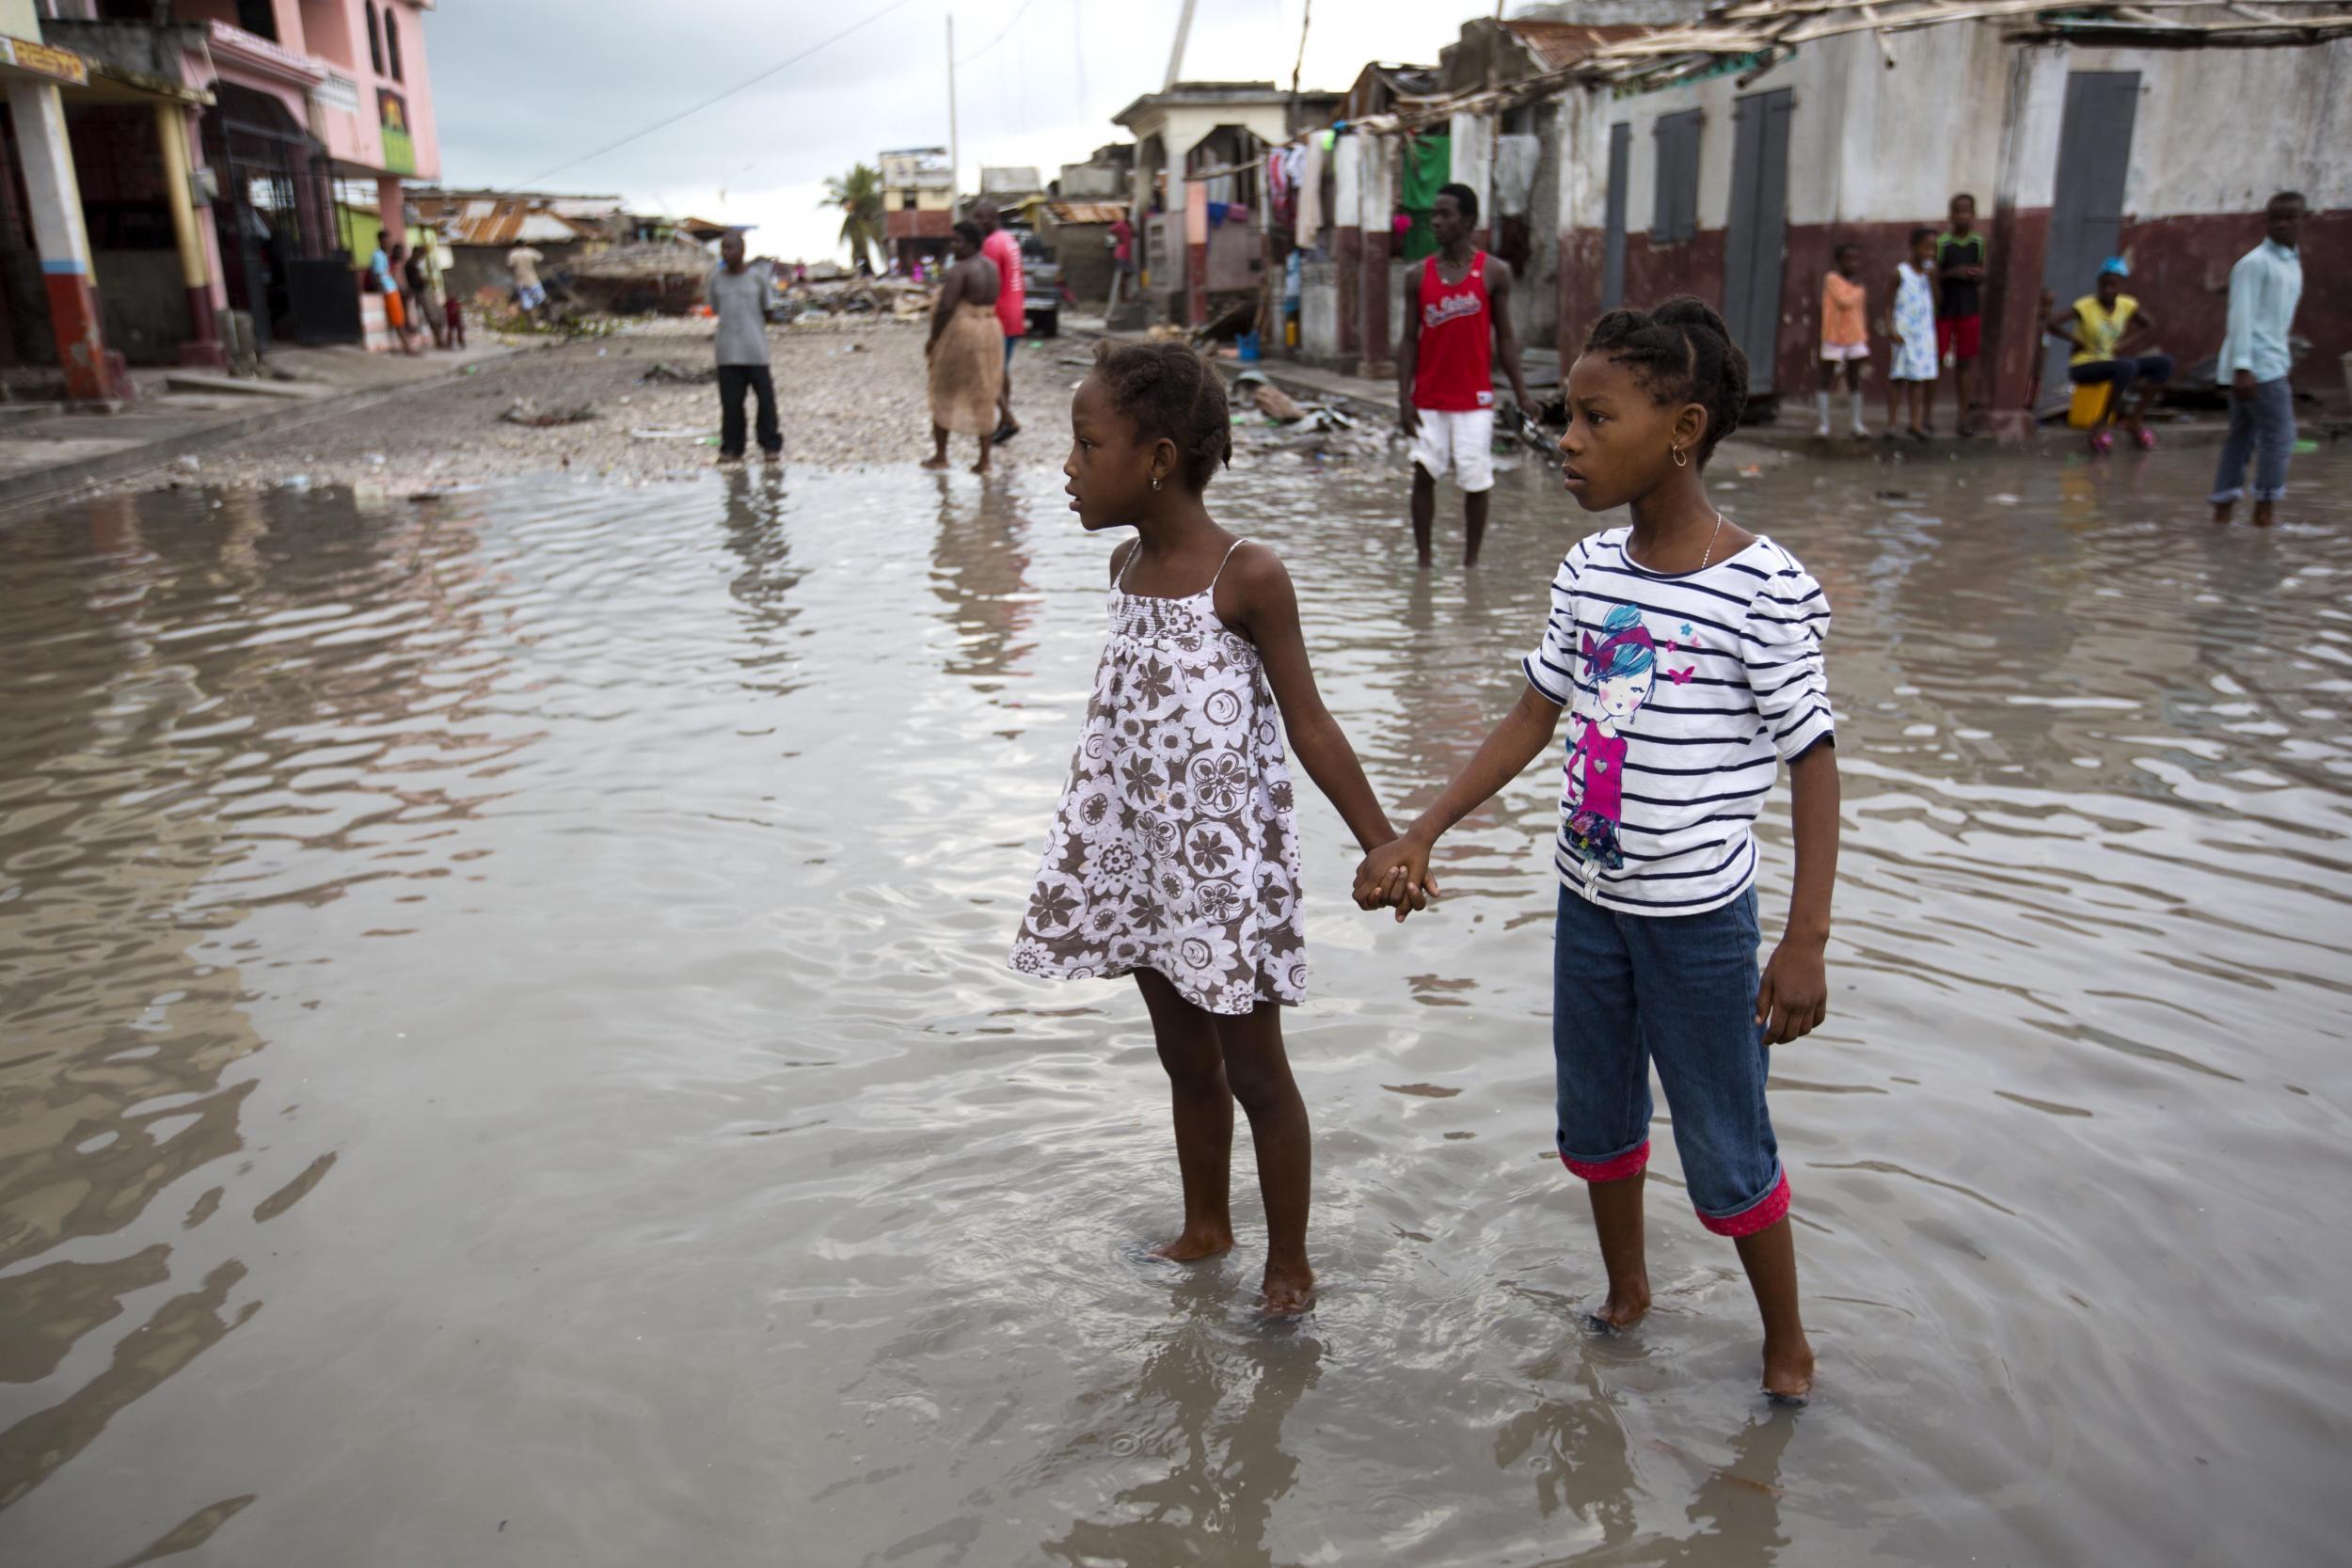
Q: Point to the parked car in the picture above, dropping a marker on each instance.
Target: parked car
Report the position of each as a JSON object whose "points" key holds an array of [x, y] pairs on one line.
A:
{"points": [[1041, 277]]}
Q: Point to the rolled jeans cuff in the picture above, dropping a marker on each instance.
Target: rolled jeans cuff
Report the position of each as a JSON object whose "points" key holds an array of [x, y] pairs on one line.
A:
{"points": [[1764, 1212], [1622, 1165]]}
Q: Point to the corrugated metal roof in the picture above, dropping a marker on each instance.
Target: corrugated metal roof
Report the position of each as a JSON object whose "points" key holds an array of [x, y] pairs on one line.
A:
{"points": [[1558, 43]]}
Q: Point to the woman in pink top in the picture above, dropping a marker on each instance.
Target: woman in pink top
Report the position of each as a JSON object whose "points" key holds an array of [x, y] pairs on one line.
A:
{"points": [[1012, 306]]}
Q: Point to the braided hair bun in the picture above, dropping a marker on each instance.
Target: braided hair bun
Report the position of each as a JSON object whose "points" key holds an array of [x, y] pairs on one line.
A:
{"points": [[1681, 353], [1169, 392]]}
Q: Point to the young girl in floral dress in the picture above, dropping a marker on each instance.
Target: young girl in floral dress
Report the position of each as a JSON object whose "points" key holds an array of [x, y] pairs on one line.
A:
{"points": [[1174, 856]]}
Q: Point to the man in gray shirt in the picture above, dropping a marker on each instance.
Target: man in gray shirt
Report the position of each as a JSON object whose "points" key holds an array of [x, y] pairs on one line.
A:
{"points": [[739, 296]]}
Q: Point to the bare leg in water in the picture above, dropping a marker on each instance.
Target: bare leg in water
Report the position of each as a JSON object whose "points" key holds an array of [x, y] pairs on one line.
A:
{"points": [[937, 459], [1213, 1060], [1770, 1257], [1473, 524], [1424, 511]]}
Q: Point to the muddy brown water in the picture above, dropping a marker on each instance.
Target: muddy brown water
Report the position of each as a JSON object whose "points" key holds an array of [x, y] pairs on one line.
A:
{"points": [[505, 1051]]}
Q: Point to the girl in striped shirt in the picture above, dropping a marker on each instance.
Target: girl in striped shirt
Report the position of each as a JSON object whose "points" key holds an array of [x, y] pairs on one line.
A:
{"points": [[1687, 654]]}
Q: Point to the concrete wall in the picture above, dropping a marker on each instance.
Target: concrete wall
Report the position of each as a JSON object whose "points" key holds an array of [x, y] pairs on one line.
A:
{"points": [[1875, 150], [142, 302], [1319, 311]]}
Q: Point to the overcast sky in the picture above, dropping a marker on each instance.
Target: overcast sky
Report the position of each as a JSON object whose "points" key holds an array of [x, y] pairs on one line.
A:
{"points": [[522, 86]]}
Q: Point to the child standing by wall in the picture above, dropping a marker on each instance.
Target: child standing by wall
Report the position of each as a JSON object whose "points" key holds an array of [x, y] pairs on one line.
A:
{"points": [[1960, 253], [1910, 327], [1687, 653], [1845, 334], [1174, 857]]}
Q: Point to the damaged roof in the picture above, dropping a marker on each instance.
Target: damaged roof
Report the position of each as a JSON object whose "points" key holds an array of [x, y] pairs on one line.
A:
{"points": [[1555, 45], [1768, 31], [489, 220]]}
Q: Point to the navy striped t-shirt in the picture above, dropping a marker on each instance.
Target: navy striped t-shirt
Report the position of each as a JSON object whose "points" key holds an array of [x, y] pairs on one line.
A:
{"points": [[1685, 692]]}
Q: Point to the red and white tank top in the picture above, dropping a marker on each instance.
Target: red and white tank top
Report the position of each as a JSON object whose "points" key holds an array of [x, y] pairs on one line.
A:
{"points": [[1454, 368]]}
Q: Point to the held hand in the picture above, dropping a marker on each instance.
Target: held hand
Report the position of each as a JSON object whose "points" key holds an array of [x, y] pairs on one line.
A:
{"points": [[1397, 875], [1794, 997], [2242, 382], [1409, 418]]}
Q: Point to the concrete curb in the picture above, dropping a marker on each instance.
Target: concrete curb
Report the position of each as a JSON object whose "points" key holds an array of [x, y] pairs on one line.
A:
{"points": [[20, 491]]}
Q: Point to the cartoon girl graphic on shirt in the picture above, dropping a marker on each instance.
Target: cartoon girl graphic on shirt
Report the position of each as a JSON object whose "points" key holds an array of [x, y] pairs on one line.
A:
{"points": [[1621, 664]]}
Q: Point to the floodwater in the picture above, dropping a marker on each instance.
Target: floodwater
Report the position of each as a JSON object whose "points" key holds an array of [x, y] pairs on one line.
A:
{"points": [[506, 1055]]}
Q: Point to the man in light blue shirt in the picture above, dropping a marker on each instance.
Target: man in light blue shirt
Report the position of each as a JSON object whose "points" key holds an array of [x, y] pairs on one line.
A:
{"points": [[2264, 287]]}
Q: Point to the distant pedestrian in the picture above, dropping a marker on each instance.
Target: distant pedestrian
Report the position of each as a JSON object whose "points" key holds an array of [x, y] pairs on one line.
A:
{"points": [[965, 351], [1960, 255], [456, 312], [741, 297], [2264, 287], [1911, 328], [398, 308], [1845, 334], [1122, 238], [417, 297], [2104, 326], [523, 262], [1457, 319], [1012, 303]]}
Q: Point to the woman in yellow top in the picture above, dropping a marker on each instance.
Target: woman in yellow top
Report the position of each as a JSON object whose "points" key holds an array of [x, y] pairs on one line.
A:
{"points": [[1845, 334], [2102, 326]]}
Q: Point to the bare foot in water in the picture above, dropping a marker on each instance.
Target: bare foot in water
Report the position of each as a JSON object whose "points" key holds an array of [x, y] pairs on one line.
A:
{"points": [[1623, 1310], [982, 467], [1198, 1241], [1788, 1371], [934, 463], [1286, 1294]]}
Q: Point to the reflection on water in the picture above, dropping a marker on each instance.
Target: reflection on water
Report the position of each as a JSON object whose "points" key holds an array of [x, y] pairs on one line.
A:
{"points": [[504, 1047]]}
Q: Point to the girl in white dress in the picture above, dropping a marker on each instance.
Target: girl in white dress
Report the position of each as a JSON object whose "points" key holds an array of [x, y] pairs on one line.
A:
{"points": [[1174, 856], [1911, 328]]}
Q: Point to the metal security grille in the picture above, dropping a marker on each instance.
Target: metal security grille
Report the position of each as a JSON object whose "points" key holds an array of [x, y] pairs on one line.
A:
{"points": [[284, 257]]}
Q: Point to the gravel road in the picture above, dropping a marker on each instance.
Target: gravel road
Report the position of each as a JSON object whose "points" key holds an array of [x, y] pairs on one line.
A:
{"points": [[849, 394]]}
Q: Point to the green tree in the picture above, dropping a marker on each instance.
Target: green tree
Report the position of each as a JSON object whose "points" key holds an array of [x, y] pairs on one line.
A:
{"points": [[858, 193]]}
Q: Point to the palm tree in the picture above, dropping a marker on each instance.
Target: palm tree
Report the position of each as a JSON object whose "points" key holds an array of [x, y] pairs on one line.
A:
{"points": [[858, 193]]}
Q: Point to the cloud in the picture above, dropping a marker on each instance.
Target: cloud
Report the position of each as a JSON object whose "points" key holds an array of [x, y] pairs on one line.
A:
{"points": [[521, 86]]}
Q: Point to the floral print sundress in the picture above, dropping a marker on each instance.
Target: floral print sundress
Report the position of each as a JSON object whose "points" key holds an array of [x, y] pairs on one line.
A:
{"points": [[1174, 847]]}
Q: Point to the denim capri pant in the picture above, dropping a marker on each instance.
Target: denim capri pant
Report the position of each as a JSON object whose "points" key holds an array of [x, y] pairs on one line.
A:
{"points": [[1680, 991]]}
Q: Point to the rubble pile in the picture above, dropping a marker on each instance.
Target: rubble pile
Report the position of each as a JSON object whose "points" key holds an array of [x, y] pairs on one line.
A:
{"points": [[656, 278], [896, 298]]}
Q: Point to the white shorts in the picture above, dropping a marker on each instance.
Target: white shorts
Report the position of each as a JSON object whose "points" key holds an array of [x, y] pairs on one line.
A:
{"points": [[1838, 353], [1463, 441]]}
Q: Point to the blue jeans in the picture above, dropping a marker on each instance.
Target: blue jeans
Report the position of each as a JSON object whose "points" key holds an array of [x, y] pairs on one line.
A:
{"points": [[2261, 426], [1678, 990]]}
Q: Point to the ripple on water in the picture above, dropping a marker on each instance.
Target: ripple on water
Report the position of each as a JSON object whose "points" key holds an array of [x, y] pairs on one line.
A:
{"points": [[507, 997]]}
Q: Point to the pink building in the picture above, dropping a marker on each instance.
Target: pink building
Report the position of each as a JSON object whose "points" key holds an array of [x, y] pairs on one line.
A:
{"points": [[231, 155]]}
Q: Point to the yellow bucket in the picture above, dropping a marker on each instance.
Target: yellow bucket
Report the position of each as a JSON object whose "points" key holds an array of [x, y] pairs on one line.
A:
{"points": [[2089, 409]]}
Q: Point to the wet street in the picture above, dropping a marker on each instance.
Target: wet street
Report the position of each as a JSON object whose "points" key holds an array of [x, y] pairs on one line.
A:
{"points": [[506, 1054]]}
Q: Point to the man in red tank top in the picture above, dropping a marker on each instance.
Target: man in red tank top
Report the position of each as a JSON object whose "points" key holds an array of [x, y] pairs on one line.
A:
{"points": [[1457, 314]]}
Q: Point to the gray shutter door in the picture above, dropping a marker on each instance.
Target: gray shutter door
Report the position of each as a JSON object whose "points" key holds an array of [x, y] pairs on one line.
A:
{"points": [[1758, 231], [1613, 256], [2087, 209]]}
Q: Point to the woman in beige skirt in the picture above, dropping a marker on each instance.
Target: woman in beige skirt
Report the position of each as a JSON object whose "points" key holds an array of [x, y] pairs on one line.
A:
{"points": [[967, 350]]}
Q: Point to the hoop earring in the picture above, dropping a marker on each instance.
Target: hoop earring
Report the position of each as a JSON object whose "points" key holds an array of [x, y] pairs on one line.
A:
{"points": [[1680, 461], [1156, 481]]}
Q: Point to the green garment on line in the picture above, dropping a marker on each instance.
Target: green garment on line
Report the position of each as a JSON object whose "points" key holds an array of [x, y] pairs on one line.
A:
{"points": [[1428, 163]]}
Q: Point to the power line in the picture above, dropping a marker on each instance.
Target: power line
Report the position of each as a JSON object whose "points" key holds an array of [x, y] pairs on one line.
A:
{"points": [[718, 97], [1000, 36]]}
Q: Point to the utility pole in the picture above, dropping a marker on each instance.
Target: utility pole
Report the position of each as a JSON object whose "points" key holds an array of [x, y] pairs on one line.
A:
{"points": [[955, 144], [1176, 56]]}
